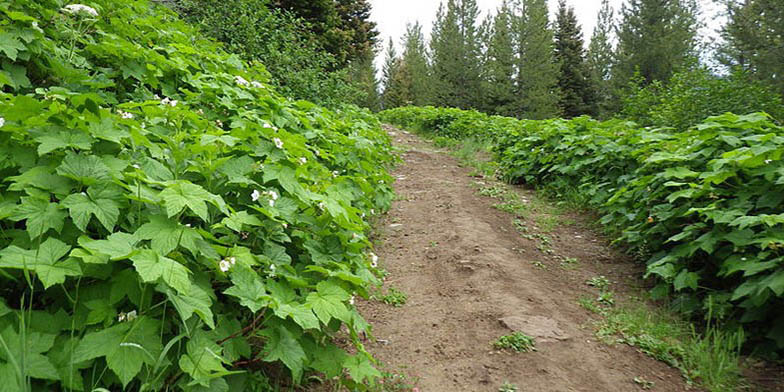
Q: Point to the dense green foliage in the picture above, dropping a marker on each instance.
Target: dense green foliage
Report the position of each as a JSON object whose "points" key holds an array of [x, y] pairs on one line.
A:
{"points": [[167, 220], [702, 207], [300, 67], [693, 95]]}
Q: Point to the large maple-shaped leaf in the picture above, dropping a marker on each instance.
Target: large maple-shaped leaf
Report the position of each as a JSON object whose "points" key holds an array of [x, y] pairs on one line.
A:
{"points": [[10, 45], [36, 364], [203, 359], [82, 206], [249, 288], [360, 368], [183, 194], [151, 266], [198, 299], [86, 169], [63, 139], [166, 234], [45, 261], [117, 246], [39, 216], [283, 346], [126, 346], [327, 302]]}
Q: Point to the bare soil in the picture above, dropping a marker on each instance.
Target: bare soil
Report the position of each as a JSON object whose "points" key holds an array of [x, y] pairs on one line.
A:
{"points": [[465, 268]]}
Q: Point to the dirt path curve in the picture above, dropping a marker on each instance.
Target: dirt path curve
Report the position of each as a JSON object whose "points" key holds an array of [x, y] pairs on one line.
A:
{"points": [[464, 267]]}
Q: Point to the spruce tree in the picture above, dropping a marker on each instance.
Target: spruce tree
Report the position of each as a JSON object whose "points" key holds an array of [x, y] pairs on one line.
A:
{"points": [[576, 94], [397, 81], [415, 59], [362, 75], [499, 64], [537, 71], [754, 39], [455, 47], [600, 62], [656, 38]]}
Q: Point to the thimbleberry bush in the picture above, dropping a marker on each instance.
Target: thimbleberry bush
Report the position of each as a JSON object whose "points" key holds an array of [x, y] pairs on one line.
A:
{"points": [[167, 220]]}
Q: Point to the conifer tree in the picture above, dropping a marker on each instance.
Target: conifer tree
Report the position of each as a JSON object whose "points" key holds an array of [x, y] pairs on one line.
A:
{"points": [[600, 61], [362, 75], [397, 82], [656, 38], [754, 39], [455, 47], [415, 59], [499, 64], [576, 94], [537, 81]]}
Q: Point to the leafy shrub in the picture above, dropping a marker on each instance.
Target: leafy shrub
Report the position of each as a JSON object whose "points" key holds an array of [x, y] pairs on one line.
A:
{"points": [[693, 95], [300, 67], [167, 220], [703, 207]]}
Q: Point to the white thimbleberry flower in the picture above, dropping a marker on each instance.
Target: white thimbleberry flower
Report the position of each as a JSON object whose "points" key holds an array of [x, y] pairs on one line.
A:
{"points": [[272, 203], [255, 195], [303, 160], [351, 300], [267, 125], [79, 9], [768, 161], [256, 84], [285, 225], [233, 260], [131, 315], [278, 143], [321, 205], [224, 265], [126, 115], [121, 317], [2, 122], [373, 260], [241, 81], [135, 166]]}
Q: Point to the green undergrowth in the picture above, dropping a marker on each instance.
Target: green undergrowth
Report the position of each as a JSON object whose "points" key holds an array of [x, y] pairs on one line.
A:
{"points": [[709, 358], [167, 220], [702, 206]]}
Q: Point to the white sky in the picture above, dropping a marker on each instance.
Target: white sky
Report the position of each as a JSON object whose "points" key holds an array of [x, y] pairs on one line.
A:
{"points": [[392, 16]]}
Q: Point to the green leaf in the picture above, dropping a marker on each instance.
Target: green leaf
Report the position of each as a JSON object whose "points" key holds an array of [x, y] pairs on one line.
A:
{"points": [[63, 139], [282, 346], [203, 359], [127, 347], [249, 288], [183, 194], [361, 368], [686, 279], [86, 169], [82, 206], [151, 266], [236, 221], [198, 300], [117, 246], [40, 216], [327, 302], [166, 234], [301, 314], [32, 348], [45, 261], [11, 46]]}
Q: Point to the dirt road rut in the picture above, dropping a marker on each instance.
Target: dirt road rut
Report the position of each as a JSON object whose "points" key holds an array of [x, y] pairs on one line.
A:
{"points": [[470, 277]]}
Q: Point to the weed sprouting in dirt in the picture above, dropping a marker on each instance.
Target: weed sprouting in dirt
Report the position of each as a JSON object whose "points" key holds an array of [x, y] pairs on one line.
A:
{"points": [[393, 297], [507, 387], [600, 282], [516, 341]]}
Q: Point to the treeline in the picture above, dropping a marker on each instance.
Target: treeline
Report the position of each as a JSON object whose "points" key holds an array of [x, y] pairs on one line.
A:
{"points": [[518, 62], [317, 50]]}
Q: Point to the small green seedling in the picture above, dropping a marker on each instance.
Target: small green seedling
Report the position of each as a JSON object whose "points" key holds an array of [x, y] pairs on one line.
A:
{"points": [[517, 341]]}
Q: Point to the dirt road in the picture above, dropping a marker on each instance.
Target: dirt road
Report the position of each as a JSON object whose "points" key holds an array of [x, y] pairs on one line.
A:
{"points": [[471, 277]]}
